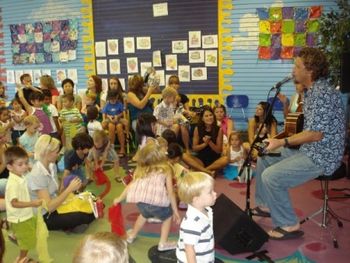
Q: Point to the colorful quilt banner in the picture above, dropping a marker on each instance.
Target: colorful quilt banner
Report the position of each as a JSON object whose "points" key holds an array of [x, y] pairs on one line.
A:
{"points": [[44, 42], [284, 31]]}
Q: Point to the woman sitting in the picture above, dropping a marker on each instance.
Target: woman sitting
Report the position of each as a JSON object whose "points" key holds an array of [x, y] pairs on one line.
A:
{"points": [[43, 185], [207, 142]]}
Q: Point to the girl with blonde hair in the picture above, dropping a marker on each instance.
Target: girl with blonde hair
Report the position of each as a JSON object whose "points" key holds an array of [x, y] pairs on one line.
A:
{"points": [[152, 191]]}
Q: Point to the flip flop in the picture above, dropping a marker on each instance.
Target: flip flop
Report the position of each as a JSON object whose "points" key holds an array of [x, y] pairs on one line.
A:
{"points": [[257, 211], [286, 235]]}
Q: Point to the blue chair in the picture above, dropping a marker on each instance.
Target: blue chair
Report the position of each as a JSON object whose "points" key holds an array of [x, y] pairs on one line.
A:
{"points": [[238, 103]]}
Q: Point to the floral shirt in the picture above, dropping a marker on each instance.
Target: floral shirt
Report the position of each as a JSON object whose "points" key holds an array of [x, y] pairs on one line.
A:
{"points": [[324, 112]]}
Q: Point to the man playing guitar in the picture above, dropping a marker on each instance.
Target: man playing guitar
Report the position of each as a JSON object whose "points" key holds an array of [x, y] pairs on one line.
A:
{"points": [[321, 147]]}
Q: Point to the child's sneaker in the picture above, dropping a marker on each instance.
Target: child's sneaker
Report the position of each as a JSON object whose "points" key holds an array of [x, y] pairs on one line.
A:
{"points": [[167, 246], [129, 238]]}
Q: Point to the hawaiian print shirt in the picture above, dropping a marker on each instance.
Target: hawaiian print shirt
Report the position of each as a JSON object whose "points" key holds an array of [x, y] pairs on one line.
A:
{"points": [[324, 112]]}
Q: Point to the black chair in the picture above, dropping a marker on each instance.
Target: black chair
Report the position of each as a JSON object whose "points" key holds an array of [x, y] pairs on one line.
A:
{"points": [[325, 211]]}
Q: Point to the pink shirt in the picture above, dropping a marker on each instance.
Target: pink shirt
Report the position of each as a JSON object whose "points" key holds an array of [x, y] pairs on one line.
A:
{"points": [[150, 190]]}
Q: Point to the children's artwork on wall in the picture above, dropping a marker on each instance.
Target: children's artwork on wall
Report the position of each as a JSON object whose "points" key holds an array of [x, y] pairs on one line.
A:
{"points": [[161, 75], [10, 76], [179, 46], [199, 73], [100, 49], [184, 73], [113, 46], [46, 72], [72, 54], [129, 45], [196, 56], [72, 73], [114, 66], [143, 42], [284, 31], [101, 66], [211, 58], [36, 75], [171, 62], [160, 9], [156, 58], [104, 85], [194, 39], [60, 75], [18, 74], [210, 41], [43, 42], [144, 66], [122, 82], [132, 65]]}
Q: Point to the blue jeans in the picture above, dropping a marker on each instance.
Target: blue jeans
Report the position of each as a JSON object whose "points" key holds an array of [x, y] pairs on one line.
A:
{"points": [[275, 175]]}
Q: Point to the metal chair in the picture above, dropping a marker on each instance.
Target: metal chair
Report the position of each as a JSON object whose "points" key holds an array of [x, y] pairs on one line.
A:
{"points": [[239, 102], [325, 211]]}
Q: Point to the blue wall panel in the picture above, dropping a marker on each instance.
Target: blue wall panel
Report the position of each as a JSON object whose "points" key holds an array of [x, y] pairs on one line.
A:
{"points": [[134, 18]]}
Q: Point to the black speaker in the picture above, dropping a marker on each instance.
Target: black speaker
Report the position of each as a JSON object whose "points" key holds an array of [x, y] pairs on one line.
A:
{"points": [[234, 230], [345, 73]]}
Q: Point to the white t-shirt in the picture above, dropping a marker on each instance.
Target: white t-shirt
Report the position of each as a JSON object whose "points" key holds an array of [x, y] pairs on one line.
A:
{"points": [[54, 113]]}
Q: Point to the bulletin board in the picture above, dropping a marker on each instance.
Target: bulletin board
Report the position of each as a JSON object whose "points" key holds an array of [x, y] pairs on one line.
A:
{"points": [[116, 20]]}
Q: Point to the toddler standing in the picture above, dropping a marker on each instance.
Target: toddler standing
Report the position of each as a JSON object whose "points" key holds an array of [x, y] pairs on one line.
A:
{"points": [[30, 136], [152, 191], [17, 116]]}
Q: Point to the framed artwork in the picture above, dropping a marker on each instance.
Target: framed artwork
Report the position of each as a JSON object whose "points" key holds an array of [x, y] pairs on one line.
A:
{"points": [[100, 49], [101, 66], [132, 65], [179, 46], [194, 39], [129, 45], [156, 58], [184, 73], [60, 75], [210, 41], [114, 66], [144, 66], [143, 42], [199, 73], [211, 58], [171, 62], [72, 73], [113, 46], [196, 56]]}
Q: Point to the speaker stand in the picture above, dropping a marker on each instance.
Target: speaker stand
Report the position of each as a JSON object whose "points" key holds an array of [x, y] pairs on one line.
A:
{"points": [[261, 256]]}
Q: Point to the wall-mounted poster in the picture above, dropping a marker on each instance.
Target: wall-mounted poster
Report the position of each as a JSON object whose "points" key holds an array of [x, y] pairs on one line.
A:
{"points": [[144, 66], [60, 75], [10, 76], [196, 56], [184, 73], [194, 39], [129, 45], [36, 75], [42, 42], [100, 49], [143, 42], [179, 46], [72, 73], [132, 65], [101, 67], [210, 41], [46, 72], [113, 46], [199, 73], [171, 62], [211, 58], [156, 58], [160, 9], [18, 74], [161, 75], [114, 66]]}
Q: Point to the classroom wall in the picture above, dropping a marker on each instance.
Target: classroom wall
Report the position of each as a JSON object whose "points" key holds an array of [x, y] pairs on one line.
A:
{"points": [[240, 70], [24, 11]]}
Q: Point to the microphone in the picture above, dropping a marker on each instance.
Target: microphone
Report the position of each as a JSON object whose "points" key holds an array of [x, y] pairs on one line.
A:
{"points": [[283, 81]]}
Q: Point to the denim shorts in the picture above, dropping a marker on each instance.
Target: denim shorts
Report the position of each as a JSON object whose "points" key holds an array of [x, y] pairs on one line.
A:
{"points": [[160, 212]]}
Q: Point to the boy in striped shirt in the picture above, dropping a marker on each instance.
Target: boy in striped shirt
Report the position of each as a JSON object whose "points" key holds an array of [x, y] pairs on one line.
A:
{"points": [[196, 239]]}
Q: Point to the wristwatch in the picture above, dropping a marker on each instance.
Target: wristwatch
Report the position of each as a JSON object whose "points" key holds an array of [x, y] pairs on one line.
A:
{"points": [[286, 142]]}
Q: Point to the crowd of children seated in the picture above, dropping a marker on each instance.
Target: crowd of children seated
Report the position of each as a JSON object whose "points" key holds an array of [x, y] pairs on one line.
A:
{"points": [[91, 130]]}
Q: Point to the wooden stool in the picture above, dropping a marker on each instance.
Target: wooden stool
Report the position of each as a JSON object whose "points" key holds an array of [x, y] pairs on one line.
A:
{"points": [[325, 210]]}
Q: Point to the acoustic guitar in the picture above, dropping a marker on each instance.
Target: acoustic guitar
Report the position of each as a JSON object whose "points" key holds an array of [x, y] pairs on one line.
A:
{"points": [[293, 124]]}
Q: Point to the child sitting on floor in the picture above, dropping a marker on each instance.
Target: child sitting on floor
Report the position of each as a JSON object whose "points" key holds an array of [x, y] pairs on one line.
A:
{"points": [[101, 152], [152, 191]]}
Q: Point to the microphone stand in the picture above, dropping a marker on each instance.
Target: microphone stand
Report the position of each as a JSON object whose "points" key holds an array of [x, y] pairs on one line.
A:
{"points": [[248, 160]]}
